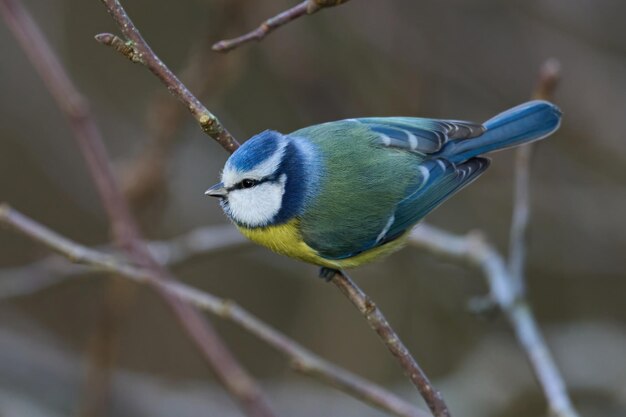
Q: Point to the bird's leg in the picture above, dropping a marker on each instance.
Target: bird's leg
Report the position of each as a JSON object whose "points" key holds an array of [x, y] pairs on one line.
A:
{"points": [[327, 273]]}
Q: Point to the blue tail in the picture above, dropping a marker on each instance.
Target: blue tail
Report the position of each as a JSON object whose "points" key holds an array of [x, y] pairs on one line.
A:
{"points": [[522, 124]]}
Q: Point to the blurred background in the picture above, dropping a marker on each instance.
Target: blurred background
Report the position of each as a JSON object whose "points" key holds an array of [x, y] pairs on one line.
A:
{"points": [[461, 59]]}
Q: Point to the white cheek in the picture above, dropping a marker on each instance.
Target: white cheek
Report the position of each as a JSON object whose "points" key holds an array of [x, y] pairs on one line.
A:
{"points": [[256, 206]]}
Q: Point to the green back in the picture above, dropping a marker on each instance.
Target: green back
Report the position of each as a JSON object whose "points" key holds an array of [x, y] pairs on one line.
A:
{"points": [[360, 187]]}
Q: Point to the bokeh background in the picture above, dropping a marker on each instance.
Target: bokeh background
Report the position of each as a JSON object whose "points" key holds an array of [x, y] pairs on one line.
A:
{"points": [[463, 59]]}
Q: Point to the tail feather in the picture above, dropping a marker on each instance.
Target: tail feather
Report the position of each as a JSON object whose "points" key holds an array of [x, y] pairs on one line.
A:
{"points": [[525, 123]]}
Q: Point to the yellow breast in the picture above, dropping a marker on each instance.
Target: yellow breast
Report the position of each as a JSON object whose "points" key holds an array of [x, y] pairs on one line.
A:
{"points": [[286, 239]]}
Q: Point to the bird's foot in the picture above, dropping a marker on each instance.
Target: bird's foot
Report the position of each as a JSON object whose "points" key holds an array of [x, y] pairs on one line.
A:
{"points": [[327, 273]]}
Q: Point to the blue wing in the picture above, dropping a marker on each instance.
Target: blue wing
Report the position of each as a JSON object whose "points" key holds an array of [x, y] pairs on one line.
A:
{"points": [[414, 134], [444, 179]]}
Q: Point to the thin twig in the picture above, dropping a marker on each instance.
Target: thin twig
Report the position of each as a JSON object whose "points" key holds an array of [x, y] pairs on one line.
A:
{"points": [[144, 184], [302, 359], [519, 314], [503, 293], [125, 230], [137, 50], [29, 279], [273, 23], [25, 280], [69, 100], [506, 281], [144, 179], [104, 346], [381, 326], [547, 81]]}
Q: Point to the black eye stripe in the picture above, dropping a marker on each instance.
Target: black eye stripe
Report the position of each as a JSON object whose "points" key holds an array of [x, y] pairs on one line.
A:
{"points": [[249, 183]]}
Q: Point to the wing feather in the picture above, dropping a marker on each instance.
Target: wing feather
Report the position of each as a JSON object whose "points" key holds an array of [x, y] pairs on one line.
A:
{"points": [[420, 135], [445, 180]]}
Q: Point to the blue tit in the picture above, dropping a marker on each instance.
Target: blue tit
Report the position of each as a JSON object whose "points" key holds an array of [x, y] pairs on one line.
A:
{"points": [[344, 193]]}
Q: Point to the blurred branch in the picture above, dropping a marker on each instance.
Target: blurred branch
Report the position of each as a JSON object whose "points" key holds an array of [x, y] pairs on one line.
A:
{"points": [[475, 249], [302, 360], [506, 282], [137, 50], [144, 184], [127, 236], [28, 279], [381, 326], [549, 75], [273, 23], [472, 247]]}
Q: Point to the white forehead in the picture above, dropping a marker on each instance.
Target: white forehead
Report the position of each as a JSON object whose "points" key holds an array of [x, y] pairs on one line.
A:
{"points": [[232, 175]]}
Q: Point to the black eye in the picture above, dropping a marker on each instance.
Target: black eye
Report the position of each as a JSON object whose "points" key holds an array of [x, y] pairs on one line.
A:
{"points": [[248, 183]]}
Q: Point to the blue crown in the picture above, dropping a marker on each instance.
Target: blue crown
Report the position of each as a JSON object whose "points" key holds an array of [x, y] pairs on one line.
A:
{"points": [[255, 150]]}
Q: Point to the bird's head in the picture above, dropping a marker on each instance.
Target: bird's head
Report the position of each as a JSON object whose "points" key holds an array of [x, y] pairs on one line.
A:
{"points": [[267, 180]]}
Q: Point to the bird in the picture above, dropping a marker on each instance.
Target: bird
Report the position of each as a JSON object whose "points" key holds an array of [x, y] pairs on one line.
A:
{"points": [[344, 193]]}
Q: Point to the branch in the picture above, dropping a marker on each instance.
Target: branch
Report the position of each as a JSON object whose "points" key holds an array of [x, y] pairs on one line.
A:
{"points": [[547, 81], [144, 183], [506, 282], [273, 23], [381, 326], [302, 360], [144, 178], [475, 249], [28, 279], [70, 101], [137, 50], [472, 248], [126, 232]]}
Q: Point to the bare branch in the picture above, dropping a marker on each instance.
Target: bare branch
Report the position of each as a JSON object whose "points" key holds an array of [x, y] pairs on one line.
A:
{"points": [[381, 326], [125, 230], [273, 23], [144, 178], [137, 50], [302, 359], [144, 183], [547, 81], [475, 249], [506, 282], [70, 101], [28, 279]]}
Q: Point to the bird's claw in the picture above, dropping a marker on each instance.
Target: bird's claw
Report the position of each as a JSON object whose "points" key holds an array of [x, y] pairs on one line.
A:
{"points": [[327, 274]]}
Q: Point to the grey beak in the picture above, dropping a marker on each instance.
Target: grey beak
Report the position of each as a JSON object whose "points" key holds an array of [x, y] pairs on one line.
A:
{"points": [[217, 190]]}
